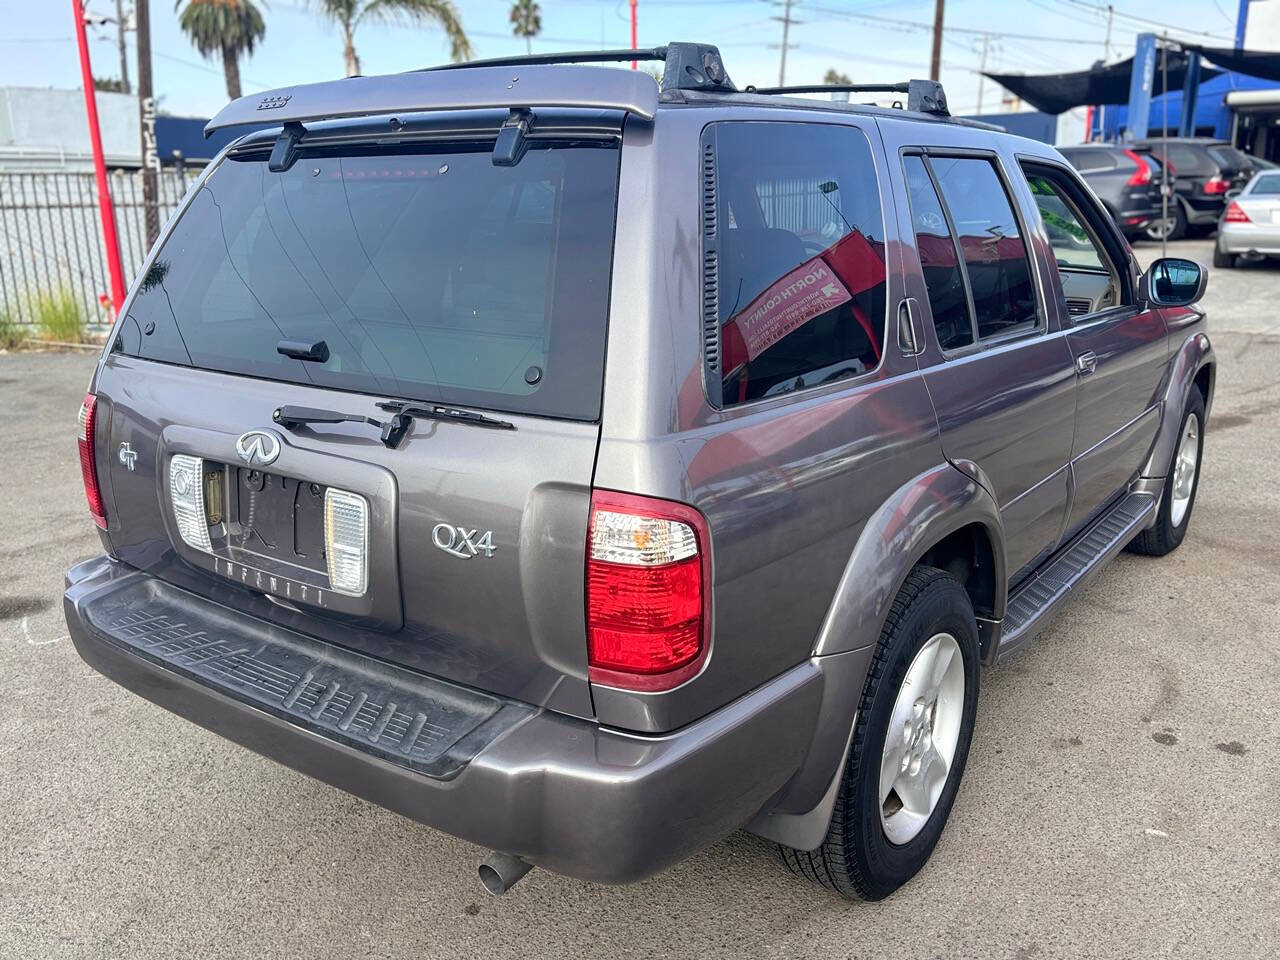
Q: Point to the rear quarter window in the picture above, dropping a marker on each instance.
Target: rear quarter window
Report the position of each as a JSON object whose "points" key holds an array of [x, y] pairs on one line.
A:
{"points": [[429, 272], [801, 262]]}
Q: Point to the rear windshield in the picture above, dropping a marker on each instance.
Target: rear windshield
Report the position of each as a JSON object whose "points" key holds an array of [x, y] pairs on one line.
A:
{"points": [[430, 274], [1229, 158], [1268, 184]]}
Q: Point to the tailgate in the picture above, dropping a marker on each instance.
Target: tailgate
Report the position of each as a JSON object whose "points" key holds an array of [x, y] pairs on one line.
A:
{"points": [[506, 617], [361, 274]]}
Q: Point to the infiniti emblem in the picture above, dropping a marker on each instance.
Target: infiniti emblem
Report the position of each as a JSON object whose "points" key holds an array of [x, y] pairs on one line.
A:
{"points": [[258, 447]]}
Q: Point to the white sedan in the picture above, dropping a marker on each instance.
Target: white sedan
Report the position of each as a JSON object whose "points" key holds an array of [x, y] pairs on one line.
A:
{"points": [[1250, 225]]}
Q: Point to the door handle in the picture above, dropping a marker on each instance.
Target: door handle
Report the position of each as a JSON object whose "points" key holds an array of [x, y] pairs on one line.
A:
{"points": [[1086, 363]]}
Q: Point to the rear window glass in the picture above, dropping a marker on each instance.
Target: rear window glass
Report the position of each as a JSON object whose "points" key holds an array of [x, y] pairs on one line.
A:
{"points": [[1229, 158], [801, 266], [430, 274], [1268, 184]]}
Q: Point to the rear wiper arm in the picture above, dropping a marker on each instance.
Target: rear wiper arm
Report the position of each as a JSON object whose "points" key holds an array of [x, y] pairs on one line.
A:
{"points": [[435, 411], [393, 430]]}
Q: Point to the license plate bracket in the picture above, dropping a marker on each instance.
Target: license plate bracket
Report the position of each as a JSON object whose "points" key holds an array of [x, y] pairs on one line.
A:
{"points": [[278, 517]]}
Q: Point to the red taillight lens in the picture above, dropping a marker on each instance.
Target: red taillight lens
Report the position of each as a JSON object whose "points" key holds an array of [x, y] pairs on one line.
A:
{"points": [[88, 467], [1235, 214], [1140, 177], [1216, 185], [648, 590]]}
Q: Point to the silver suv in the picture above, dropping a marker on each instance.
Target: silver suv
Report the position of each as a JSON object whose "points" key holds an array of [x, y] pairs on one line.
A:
{"points": [[590, 468]]}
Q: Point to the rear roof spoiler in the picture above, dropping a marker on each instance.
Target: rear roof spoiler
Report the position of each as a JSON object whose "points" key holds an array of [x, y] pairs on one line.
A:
{"points": [[476, 88]]}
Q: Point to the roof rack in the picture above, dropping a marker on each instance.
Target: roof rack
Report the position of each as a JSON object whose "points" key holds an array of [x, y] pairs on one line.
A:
{"points": [[690, 66], [923, 96]]}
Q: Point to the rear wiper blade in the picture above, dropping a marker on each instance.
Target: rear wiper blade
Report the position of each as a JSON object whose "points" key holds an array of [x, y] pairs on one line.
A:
{"points": [[393, 430], [435, 411]]}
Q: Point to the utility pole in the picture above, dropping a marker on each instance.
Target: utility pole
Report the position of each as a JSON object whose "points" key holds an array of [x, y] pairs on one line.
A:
{"points": [[786, 22], [982, 68], [147, 114], [1106, 44], [124, 53], [633, 30], [935, 60]]}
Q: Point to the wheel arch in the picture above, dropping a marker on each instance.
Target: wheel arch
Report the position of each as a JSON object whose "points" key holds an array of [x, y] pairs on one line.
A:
{"points": [[939, 515], [1191, 366]]}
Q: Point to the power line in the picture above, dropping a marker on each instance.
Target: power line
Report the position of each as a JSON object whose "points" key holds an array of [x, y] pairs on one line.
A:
{"points": [[922, 25], [1103, 9]]}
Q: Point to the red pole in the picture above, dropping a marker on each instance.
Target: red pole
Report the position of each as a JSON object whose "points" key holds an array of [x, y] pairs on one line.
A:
{"points": [[633, 30], [105, 208]]}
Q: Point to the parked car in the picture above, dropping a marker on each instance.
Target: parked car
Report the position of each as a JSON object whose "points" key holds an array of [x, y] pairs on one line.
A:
{"points": [[1203, 171], [591, 470], [1250, 226], [1126, 182]]}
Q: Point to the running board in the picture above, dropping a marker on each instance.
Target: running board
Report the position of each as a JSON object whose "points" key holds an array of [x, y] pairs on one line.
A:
{"points": [[1036, 601]]}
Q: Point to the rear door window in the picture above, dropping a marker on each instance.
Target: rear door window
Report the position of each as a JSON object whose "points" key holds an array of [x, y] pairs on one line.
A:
{"points": [[801, 263], [991, 244], [948, 296], [429, 272]]}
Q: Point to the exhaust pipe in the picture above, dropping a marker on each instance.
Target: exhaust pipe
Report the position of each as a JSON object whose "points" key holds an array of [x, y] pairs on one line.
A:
{"points": [[499, 872]]}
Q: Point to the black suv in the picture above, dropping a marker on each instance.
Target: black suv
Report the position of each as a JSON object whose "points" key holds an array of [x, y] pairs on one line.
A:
{"points": [[1127, 183], [1202, 170]]}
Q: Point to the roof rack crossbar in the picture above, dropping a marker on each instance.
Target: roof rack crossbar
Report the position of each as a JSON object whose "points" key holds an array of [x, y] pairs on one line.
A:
{"points": [[689, 66], [923, 96]]}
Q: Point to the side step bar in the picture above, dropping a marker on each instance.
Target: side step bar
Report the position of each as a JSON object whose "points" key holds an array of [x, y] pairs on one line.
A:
{"points": [[1037, 600]]}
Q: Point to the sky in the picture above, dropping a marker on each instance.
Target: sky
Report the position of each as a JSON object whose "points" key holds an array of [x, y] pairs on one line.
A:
{"points": [[870, 40]]}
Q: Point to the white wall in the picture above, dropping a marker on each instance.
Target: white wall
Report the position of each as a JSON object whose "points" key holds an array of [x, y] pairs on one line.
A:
{"points": [[1262, 28], [48, 129]]}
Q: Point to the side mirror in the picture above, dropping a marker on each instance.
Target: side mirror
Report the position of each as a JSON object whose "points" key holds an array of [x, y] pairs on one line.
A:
{"points": [[1173, 282], [1234, 192]]}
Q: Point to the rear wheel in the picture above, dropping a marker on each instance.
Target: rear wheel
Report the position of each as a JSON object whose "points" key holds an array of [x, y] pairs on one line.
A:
{"points": [[1223, 259], [1171, 229], [914, 726], [1180, 486]]}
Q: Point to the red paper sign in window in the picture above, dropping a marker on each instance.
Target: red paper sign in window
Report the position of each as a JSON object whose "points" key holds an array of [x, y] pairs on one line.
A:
{"points": [[808, 291]]}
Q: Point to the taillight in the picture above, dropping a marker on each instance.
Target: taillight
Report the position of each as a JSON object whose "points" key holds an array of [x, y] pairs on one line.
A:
{"points": [[648, 591], [88, 466], [1216, 185], [1140, 177], [1235, 214]]}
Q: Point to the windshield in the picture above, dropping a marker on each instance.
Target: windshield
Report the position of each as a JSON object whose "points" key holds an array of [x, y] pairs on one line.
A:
{"points": [[430, 273]]}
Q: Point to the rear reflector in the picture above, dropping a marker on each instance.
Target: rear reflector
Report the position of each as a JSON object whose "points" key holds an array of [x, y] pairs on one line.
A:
{"points": [[1235, 214], [346, 541], [186, 492], [648, 592], [88, 466]]}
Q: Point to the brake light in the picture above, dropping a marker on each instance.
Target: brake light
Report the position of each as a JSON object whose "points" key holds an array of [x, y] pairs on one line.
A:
{"points": [[88, 466], [1140, 177], [648, 592], [1235, 214], [1216, 185]]}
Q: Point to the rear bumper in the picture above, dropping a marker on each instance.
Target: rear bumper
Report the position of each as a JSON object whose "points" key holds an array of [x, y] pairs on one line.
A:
{"points": [[1263, 238], [561, 792]]}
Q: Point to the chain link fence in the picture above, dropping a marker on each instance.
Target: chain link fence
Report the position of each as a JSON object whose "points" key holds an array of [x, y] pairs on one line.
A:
{"points": [[51, 238]]}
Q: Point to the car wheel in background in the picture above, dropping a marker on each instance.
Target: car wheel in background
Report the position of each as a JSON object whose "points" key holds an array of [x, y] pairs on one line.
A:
{"points": [[911, 739], [1171, 229], [1223, 259], [1180, 484]]}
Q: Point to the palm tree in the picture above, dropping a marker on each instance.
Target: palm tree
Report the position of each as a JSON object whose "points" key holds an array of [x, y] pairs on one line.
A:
{"points": [[348, 14], [526, 21], [228, 28]]}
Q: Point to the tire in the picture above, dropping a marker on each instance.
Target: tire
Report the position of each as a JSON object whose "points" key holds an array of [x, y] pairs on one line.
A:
{"points": [[1177, 225], [858, 859], [1171, 522], [1223, 260]]}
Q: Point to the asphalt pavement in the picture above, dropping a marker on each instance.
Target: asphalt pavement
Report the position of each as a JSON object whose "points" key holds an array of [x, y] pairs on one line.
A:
{"points": [[1122, 797]]}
